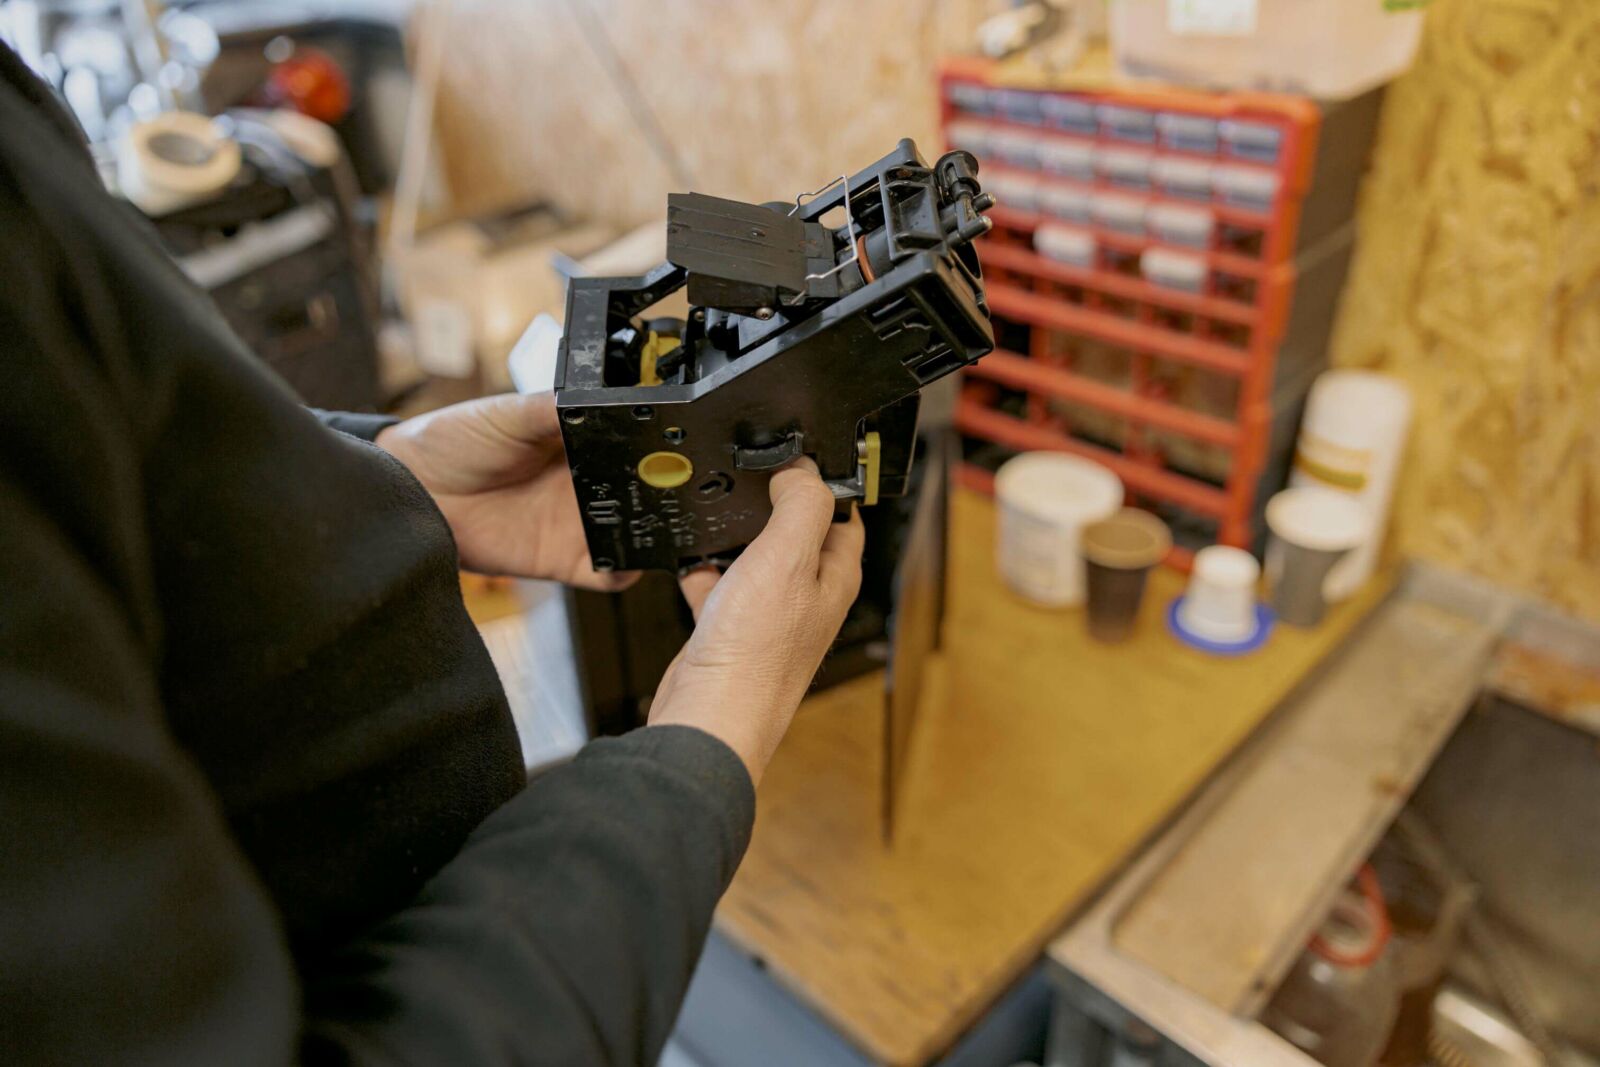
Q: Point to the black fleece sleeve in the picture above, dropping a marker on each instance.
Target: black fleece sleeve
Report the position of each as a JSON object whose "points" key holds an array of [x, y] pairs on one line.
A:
{"points": [[135, 926], [569, 925], [356, 424], [133, 931]]}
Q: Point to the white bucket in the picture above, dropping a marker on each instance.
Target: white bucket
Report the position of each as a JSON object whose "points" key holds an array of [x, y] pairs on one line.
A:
{"points": [[1351, 439], [1220, 603], [1045, 499]]}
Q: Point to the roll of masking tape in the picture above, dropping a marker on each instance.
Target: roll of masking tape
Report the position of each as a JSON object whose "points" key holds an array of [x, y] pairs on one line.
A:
{"points": [[175, 159]]}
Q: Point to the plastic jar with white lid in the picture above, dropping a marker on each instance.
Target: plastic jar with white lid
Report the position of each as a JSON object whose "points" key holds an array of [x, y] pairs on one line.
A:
{"points": [[1044, 500]]}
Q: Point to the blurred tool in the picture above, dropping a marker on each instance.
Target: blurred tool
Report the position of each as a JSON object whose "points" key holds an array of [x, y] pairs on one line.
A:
{"points": [[1049, 34], [278, 246], [1045, 500], [114, 61], [1313, 528]]}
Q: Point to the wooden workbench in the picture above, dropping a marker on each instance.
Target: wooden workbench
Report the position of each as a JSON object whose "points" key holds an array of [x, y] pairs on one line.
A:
{"points": [[1039, 764]]}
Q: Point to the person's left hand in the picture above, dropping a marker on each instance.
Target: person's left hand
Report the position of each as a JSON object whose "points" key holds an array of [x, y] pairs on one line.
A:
{"points": [[497, 470]]}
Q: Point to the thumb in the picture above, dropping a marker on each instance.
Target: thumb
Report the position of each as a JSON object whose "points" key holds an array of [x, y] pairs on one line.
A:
{"points": [[526, 417], [697, 586]]}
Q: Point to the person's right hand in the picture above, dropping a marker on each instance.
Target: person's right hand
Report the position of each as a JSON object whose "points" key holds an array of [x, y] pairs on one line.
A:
{"points": [[763, 627]]}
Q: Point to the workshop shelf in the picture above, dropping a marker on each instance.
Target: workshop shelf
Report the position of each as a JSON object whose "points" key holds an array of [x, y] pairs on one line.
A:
{"points": [[1143, 271]]}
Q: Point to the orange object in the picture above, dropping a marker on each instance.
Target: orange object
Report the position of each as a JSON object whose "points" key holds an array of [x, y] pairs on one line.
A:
{"points": [[312, 83]]}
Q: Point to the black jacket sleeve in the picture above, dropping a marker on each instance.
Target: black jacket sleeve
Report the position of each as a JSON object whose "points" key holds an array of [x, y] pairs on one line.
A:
{"points": [[147, 467], [568, 926], [133, 931], [356, 424]]}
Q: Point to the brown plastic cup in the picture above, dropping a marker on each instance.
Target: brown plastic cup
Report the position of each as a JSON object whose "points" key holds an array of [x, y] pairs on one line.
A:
{"points": [[1117, 554]]}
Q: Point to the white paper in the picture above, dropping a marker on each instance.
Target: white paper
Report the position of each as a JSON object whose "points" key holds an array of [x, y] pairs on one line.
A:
{"points": [[1212, 18]]}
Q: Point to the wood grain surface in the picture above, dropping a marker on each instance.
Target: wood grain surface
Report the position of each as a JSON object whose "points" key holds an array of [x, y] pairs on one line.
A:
{"points": [[1039, 763], [1476, 281]]}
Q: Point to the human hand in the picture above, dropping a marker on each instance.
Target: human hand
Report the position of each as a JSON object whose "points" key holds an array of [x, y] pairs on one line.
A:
{"points": [[763, 627], [498, 472]]}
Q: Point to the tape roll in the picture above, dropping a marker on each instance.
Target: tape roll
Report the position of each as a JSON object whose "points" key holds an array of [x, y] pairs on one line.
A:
{"points": [[175, 159], [311, 140]]}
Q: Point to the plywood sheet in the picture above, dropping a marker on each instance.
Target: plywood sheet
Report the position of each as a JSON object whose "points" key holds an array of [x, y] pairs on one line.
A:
{"points": [[758, 101], [1046, 762], [1477, 282]]}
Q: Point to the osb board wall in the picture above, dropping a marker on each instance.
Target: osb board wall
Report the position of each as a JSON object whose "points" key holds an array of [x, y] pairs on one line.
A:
{"points": [[761, 100], [1477, 281]]}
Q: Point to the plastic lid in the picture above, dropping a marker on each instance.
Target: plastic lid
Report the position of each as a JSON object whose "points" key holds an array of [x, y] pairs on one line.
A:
{"points": [[1226, 566], [1318, 518], [1359, 397], [1131, 540], [1058, 487]]}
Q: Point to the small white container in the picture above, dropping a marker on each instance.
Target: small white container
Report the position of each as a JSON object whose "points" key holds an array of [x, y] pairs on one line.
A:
{"points": [[967, 96], [1072, 113], [1220, 603], [1189, 133], [1045, 500], [1314, 529], [1259, 141], [1065, 244], [1250, 187], [1065, 201], [1181, 225], [974, 137], [1127, 123], [1015, 192], [1175, 270], [1015, 147], [1125, 166], [1187, 178], [1352, 439], [1068, 158], [1119, 212], [1317, 518]]}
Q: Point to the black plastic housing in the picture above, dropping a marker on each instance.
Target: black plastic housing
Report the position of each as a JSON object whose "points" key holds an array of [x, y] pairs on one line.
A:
{"points": [[811, 373]]}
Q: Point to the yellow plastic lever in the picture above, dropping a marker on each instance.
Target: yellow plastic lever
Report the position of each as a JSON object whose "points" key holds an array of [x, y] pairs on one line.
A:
{"points": [[870, 461]]}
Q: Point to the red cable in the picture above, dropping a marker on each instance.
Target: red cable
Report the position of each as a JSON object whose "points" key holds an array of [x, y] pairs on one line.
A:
{"points": [[1372, 896]]}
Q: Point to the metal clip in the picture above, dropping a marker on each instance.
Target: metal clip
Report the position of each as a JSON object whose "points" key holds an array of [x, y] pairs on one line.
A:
{"points": [[849, 224]]}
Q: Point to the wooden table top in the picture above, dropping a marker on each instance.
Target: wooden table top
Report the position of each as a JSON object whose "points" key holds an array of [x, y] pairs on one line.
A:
{"points": [[1040, 762]]}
